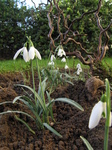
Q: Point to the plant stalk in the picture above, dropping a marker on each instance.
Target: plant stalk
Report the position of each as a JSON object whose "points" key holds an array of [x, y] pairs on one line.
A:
{"points": [[107, 115]]}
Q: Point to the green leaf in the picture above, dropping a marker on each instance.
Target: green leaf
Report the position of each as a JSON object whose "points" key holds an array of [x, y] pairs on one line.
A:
{"points": [[26, 101], [8, 102], [29, 104], [50, 107], [69, 101], [36, 94], [15, 111], [86, 143], [52, 130], [25, 124], [43, 84]]}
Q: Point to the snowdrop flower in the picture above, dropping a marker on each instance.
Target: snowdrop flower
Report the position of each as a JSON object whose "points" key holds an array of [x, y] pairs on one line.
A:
{"points": [[51, 63], [61, 53], [34, 52], [78, 72], [53, 57], [78, 66], [63, 60], [79, 69], [66, 67], [25, 54], [96, 114]]}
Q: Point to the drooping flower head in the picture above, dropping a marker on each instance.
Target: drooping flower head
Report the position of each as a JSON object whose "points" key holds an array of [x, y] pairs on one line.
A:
{"points": [[33, 52], [51, 63], [79, 69], [66, 67], [53, 58], [96, 114], [61, 52], [24, 52], [78, 66], [63, 59]]}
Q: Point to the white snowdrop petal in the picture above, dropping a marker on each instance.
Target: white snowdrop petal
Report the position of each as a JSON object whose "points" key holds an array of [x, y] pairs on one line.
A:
{"points": [[37, 54], [96, 115], [64, 53], [60, 53], [110, 121], [17, 53], [78, 72], [26, 55], [51, 63], [32, 53], [52, 57], [78, 66]]}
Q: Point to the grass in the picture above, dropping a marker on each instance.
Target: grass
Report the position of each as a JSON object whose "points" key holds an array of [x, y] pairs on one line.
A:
{"points": [[21, 65]]}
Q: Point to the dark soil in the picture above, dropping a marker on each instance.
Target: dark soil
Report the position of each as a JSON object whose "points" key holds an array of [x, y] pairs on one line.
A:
{"points": [[70, 122]]}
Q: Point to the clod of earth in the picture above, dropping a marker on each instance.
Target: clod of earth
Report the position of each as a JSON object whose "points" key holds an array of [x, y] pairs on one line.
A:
{"points": [[92, 85]]}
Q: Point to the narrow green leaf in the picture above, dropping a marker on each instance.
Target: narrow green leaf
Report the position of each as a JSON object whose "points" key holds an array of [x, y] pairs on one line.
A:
{"points": [[19, 112], [21, 120], [50, 107], [86, 143], [7, 102], [43, 83], [52, 130], [36, 94], [26, 100], [69, 101]]}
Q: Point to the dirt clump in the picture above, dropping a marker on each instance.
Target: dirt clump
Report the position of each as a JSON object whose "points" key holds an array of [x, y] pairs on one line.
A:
{"points": [[92, 85]]}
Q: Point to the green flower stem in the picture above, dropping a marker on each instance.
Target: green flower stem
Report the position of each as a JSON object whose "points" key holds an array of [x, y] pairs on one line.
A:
{"points": [[108, 115]]}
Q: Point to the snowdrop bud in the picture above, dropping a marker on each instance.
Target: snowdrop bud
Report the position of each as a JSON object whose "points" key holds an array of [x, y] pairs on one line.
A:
{"points": [[96, 115]]}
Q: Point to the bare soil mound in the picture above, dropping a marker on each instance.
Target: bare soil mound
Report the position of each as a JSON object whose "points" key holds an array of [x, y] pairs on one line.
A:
{"points": [[70, 122]]}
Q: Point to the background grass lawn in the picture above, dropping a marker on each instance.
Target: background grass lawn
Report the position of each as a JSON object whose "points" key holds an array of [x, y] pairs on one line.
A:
{"points": [[21, 65]]}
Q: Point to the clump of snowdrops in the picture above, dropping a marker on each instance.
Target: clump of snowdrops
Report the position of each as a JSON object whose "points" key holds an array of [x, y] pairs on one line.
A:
{"points": [[101, 109], [40, 107], [54, 77]]}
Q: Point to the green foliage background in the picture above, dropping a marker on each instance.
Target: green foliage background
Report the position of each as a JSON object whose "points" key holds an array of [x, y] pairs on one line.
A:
{"points": [[17, 21]]}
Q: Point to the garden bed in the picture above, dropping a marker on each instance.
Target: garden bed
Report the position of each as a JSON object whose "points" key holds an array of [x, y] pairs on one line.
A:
{"points": [[70, 122]]}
